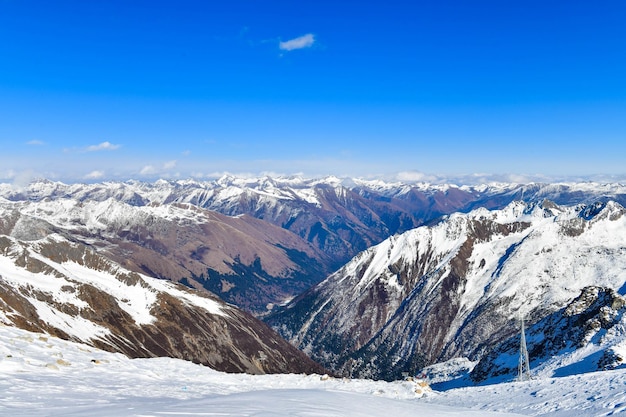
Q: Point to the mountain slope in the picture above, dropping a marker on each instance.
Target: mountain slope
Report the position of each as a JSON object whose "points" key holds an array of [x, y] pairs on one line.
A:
{"points": [[244, 260], [67, 289], [587, 335], [455, 288]]}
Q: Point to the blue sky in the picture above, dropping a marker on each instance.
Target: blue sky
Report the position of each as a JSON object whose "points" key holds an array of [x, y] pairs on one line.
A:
{"points": [[99, 90]]}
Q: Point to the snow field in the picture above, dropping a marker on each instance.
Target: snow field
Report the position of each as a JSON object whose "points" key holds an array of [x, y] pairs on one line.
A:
{"points": [[45, 376]]}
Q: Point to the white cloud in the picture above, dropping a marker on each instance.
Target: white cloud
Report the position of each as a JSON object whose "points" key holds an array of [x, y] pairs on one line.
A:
{"points": [[22, 179], [301, 42], [104, 146], [147, 170], [8, 174], [414, 176], [94, 175], [158, 169], [35, 142]]}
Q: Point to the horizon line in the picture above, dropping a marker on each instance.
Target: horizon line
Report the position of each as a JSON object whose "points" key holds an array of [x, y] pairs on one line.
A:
{"points": [[403, 177]]}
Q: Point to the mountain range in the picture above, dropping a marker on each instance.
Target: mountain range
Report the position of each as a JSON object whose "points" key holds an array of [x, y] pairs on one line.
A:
{"points": [[278, 237], [369, 278]]}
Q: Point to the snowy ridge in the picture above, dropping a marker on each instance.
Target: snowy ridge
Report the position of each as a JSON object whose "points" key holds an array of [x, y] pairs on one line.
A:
{"points": [[101, 215], [340, 216], [61, 281], [227, 189], [587, 335], [177, 241]]}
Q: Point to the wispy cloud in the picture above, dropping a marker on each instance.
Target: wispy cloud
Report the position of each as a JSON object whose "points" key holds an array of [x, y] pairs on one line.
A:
{"points": [[301, 42], [486, 178], [160, 169], [8, 174], [35, 142], [104, 146], [22, 179], [94, 175], [147, 170], [415, 176]]}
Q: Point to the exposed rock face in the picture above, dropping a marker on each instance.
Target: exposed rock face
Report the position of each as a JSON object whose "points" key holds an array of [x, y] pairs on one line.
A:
{"points": [[592, 322], [455, 289], [68, 290]]}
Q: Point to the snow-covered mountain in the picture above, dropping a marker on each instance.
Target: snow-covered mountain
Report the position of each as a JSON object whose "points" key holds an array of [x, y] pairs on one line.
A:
{"points": [[458, 287], [342, 216], [279, 235], [56, 285]]}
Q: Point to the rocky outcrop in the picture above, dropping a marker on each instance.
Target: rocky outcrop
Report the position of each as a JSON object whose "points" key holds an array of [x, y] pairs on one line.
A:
{"points": [[591, 322]]}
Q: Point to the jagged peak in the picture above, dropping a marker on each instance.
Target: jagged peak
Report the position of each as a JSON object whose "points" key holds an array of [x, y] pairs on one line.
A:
{"points": [[601, 210]]}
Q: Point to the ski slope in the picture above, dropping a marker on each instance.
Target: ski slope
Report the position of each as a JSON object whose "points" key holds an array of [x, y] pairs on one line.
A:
{"points": [[45, 376]]}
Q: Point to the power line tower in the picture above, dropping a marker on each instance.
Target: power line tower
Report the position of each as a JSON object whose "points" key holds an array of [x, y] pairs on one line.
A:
{"points": [[523, 369]]}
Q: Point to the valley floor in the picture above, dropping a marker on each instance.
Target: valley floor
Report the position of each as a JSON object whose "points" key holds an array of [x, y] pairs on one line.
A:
{"points": [[45, 376]]}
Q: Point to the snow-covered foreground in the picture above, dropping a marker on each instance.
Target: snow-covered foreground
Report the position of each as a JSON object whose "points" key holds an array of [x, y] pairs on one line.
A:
{"points": [[593, 394], [45, 376]]}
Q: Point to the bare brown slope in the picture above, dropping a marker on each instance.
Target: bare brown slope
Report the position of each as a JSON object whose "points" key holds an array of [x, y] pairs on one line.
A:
{"points": [[232, 341], [246, 261]]}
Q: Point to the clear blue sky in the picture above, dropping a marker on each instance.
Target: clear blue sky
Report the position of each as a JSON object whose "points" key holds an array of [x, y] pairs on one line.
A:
{"points": [[95, 90]]}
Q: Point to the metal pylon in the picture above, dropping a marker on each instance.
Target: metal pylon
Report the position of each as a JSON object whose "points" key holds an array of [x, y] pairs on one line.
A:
{"points": [[523, 369]]}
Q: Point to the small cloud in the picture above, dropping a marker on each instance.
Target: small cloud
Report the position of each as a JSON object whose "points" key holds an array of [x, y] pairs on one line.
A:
{"points": [[159, 169], [104, 146], [301, 42], [169, 165], [35, 143], [147, 170], [22, 179], [8, 175], [94, 175], [415, 176]]}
